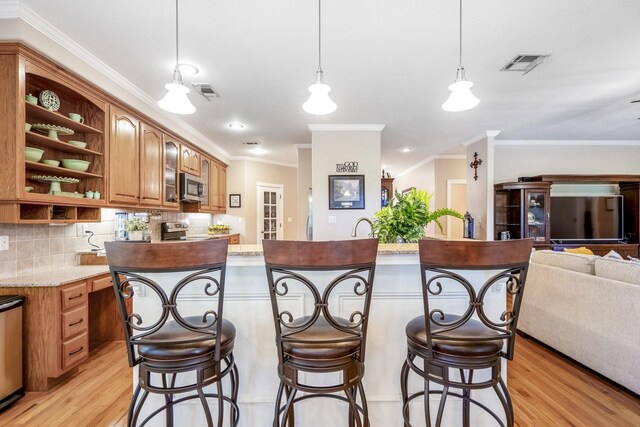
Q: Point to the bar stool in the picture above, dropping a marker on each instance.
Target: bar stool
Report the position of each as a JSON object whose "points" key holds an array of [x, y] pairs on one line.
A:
{"points": [[321, 342], [452, 347], [171, 348]]}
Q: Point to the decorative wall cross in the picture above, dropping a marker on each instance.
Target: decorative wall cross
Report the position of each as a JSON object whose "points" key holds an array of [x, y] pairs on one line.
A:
{"points": [[474, 165]]}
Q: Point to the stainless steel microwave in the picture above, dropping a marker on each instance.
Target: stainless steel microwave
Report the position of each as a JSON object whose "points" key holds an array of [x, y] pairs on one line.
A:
{"points": [[191, 188]]}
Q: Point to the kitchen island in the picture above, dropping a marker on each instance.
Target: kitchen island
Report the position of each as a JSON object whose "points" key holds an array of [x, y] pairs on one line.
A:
{"points": [[396, 299]]}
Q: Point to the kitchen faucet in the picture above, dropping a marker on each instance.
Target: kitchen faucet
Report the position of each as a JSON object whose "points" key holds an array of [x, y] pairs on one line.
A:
{"points": [[355, 227]]}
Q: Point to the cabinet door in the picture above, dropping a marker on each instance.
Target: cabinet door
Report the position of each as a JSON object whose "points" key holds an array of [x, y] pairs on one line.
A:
{"points": [[537, 215], [222, 188], [205, 205], [214, 190], [195, 163], [151, 161], [185, 159], [170, 188], [124, 155]]}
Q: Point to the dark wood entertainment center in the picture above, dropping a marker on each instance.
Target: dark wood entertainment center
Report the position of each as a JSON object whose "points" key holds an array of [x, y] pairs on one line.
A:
{"points": [[523, 210]]}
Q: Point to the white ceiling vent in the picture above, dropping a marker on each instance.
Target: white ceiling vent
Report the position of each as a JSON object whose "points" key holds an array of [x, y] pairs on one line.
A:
{"points": [[525, 63], [206, 90], [251, 143]]}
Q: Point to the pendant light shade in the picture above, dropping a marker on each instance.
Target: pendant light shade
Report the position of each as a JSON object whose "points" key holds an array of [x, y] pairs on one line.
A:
{"points": [[461, 98], [319, 102], [176, 100]]}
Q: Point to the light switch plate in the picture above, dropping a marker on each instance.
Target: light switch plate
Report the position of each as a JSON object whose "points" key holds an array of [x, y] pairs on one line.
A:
{"points": [[4, 243], [332, 219]]}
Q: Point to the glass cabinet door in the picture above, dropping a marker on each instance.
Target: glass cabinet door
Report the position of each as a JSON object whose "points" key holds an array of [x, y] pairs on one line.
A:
{"points": [[536, 224], [170, 172]]}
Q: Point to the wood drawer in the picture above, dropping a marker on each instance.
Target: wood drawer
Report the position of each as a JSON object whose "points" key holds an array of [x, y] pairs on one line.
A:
{"points": [[101, 283], [234, 240], [74, 322], [74, 296], [74, 351]]}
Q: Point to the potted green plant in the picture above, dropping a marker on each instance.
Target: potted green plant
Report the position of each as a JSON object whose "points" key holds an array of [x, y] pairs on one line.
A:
{"points": [[405, 218], [136, 228], [219, 229]]}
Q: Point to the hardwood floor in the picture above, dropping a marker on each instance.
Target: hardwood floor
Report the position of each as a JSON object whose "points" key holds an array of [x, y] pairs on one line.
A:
{"points": [[547, 390]]}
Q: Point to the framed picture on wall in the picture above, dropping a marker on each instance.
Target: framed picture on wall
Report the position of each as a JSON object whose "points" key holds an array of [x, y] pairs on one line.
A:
{"points": [[235, 200], [346, 191]]}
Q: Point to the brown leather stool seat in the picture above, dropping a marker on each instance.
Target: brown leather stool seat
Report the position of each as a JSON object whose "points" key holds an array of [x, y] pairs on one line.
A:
{"points": [[442, 347], [174, 342], [321, 344]]}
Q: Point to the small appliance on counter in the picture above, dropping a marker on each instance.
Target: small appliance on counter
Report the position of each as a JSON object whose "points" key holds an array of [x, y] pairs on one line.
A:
{"points": [[11, 381], [176, 230]]}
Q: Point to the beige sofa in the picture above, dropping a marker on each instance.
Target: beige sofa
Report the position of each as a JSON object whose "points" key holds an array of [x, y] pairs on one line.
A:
{"points": [[587, 308]]}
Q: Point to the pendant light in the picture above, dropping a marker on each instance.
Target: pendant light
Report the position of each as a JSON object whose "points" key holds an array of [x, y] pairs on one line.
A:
{"points": [[176, 100], [461, 98], [319, 102]]}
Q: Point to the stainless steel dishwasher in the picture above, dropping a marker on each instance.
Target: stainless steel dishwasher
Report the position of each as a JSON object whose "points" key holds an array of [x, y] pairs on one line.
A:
{"points": [[11, 382]]}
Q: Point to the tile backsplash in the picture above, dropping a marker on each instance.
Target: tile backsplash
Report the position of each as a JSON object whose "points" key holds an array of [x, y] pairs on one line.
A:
{"points": [[41, 247]]}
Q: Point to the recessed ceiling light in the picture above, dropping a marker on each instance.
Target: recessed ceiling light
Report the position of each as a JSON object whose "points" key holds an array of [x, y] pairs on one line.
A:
{"points": [[406, 150], [188, 69], [236, 126], [259, 151]]}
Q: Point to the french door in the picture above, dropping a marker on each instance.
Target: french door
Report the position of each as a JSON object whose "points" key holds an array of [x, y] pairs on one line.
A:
{"points": [[270, 212]]}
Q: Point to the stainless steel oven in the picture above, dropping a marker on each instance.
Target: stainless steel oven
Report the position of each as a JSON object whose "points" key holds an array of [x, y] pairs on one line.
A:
{"points": [[191, 188]]}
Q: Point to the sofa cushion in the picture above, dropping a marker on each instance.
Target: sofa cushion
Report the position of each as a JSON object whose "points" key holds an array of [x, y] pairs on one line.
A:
{"points": [[574, 262], [620, 270]]}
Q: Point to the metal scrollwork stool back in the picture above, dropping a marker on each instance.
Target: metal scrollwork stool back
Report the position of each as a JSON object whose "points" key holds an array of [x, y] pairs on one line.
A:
{"points": [[452, 347], [176, 353], [322, 342]]}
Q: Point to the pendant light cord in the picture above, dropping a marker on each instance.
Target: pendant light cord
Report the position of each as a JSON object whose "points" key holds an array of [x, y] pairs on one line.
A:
{"points": [[177, 34], [320, 35], [460, 33]]}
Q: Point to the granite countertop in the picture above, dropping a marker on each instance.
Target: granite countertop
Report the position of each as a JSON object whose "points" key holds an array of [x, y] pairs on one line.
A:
{"points": [[383, 249], [56, 277]]}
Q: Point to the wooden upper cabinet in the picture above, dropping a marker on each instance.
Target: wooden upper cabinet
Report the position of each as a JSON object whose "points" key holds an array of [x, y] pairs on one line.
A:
{"points": [[170, 184], [214, 187], [124, 157], [222, 188], [205, 171], [189, 160], [151, 165]]}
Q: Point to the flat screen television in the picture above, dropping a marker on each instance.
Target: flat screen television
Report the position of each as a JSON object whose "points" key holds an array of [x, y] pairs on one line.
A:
{"points": [[586, 218]]}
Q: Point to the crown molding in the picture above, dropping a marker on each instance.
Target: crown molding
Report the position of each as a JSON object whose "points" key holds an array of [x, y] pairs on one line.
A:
{"points": [[41, 25], [479, 137], [546, 142], [9, 9], [260, 160], [430, 159], [346, 127]]}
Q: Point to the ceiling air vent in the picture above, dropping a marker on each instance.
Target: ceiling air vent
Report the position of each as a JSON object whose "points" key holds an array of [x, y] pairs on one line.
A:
{"points": [[251, 143], [525, 63], [206, 90]]}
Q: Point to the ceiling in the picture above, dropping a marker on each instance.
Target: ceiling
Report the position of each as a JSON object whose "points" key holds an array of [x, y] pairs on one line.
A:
{"points": [[387, 62]]}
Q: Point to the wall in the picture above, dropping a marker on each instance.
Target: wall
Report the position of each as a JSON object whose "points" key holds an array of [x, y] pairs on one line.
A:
{"points": [[304, 184], [514, 159], [43, 247], [445, 170], [242, 176], [480, 191], [333, 144]]}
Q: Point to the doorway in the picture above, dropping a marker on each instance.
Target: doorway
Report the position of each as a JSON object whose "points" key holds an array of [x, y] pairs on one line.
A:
{"points": [[270, 212], [457, 200]]}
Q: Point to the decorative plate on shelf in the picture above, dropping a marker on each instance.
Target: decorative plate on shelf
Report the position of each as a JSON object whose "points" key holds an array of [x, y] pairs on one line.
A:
{"points": [[49, 100], [61, 130], [531, 218]]}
